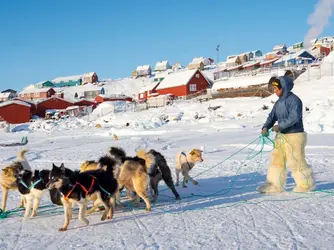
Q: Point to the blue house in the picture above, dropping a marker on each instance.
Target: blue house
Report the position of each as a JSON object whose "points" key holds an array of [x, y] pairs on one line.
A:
{"points": [[300, 57], [67, 81]]}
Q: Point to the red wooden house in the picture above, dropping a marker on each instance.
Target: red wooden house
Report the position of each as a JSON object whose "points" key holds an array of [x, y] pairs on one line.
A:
{"points": [[51, 103], [183, 83], [84, 102], [15, 111], [33, 109], [146, 91], [35, 93]]}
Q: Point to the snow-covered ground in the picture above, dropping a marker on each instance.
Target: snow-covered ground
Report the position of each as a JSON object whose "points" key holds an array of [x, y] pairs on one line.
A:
{"points": [[223, 212]]}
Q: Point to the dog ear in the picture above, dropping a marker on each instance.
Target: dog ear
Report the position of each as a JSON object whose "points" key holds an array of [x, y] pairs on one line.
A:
{"points": [[54, 166], [36, 172], [192, 152], [62, 168]]}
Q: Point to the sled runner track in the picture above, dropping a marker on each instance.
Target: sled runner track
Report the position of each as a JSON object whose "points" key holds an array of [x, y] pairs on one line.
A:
{"points": [[295, 243], [149, 236]]}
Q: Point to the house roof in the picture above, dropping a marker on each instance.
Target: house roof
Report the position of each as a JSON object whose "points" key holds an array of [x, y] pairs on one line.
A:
{"points": [[89, 74], [197, 60], [231, 56], [4, 95], [254, 51], [149, 87], [41, 83], [177, 79], [3, 104], [162, 64], [294, 56], [67, 78], [247, 65], [234, 68], [279, 46], [9, 90], [35, 90], [52, 97], [144, 67], [269, 61], [232, 59]]}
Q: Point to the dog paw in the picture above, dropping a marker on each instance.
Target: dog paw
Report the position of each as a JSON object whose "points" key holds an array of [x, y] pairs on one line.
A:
{"points": [[103, 218], [148, 209], [62, 229], [195, 183], [178, 198], [184, 186], [109, 217]]}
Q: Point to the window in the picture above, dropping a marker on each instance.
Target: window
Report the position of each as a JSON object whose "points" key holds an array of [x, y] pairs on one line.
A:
{"points": [[141, 96], [36, 94], [192, 87], [197, 75]]}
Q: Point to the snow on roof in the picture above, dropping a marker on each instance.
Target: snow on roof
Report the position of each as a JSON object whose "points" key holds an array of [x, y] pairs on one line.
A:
{"points": [[52, 97], [177, 79], [232, 59], [246, 65], [89, 74], [279, 46], [144, 67], [67, 78], [4, 95], [3, 104], [237, 82], [292, 56], [149, 87], [234, 68], [161, 64], [269, 61], [35, 90], [72, 107], [197, 60]]}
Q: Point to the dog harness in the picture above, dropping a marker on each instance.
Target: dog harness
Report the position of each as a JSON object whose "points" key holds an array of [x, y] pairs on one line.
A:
{"points": [[184, 154], [32, 185], [82, 186]]}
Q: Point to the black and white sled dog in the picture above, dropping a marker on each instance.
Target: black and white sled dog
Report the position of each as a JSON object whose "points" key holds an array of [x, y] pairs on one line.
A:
{"points": [[80, 187], [32, 185], [159, 171]]}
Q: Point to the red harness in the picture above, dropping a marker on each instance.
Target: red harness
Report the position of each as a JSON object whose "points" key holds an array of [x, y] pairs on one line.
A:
{"points": [[82, 186]]}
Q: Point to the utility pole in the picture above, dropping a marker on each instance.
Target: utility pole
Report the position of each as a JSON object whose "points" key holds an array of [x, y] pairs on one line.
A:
{"points": [[217, 49]]}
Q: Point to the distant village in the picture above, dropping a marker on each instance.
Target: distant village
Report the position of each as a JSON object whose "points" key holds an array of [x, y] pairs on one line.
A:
{"points": [[167, 82]]}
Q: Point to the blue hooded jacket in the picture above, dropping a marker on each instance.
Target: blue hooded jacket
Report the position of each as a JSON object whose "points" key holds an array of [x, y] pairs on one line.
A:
{"points": [[287, 111]]}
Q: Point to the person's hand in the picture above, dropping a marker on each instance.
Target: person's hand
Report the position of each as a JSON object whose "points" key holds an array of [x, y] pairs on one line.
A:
{"points": [[275, 128], [264, 132]]}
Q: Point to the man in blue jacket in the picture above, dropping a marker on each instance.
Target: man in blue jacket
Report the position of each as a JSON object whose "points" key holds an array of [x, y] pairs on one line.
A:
{"points": [[290, 141]]}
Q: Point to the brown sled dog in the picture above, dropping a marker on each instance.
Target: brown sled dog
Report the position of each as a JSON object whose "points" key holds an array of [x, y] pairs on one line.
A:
{"points": [[8, 179], [134, 175]]}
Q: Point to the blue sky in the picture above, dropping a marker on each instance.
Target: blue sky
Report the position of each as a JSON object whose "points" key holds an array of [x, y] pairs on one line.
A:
{"points": [[41, 40]]}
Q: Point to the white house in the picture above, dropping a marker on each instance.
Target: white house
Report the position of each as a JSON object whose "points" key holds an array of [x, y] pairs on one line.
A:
{"points": [[143, 70], [162, 66]]}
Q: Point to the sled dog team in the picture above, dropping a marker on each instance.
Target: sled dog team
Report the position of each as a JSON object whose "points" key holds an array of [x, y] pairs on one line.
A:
{"points": [[97, 181]]}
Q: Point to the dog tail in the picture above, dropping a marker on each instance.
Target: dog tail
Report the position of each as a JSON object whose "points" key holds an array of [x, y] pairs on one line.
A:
{"points": [[20, 155], [23, 160], [117, 153], [149, 160], [109, 162]]}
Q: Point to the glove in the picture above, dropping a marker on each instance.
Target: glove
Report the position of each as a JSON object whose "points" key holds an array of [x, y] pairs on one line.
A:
{"points": [[264, 132], [275, 128]]}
